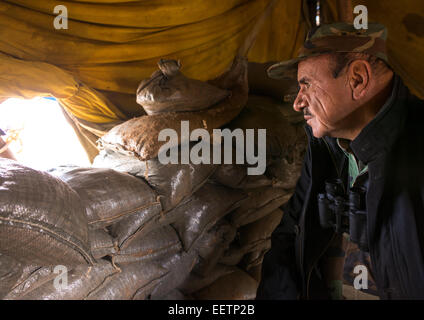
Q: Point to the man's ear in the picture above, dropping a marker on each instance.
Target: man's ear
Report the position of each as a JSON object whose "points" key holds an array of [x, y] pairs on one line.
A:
{"points": [[359, 78]]}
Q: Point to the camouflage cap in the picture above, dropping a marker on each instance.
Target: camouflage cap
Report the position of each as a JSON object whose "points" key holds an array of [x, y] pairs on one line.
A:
{"points": [[335, 37]]}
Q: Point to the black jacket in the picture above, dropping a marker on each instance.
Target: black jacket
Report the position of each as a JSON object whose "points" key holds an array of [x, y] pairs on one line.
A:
{"points": [[392, 145]]}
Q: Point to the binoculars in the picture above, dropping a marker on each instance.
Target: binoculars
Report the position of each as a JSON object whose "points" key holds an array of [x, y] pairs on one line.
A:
{"points": [[344, 213]]}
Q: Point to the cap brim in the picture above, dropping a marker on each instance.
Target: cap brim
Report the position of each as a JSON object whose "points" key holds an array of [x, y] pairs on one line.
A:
{"points": [[284, 70]]}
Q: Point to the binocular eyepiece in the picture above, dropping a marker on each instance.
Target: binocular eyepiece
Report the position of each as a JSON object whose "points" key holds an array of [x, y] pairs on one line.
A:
{"points": [[344, 213]]}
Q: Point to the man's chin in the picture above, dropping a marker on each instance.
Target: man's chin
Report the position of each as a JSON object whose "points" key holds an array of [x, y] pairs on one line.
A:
{"points": [[316, 132]]}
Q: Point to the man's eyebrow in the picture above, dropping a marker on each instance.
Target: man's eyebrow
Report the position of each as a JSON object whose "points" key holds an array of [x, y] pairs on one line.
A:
{"points": [[303, 80]]}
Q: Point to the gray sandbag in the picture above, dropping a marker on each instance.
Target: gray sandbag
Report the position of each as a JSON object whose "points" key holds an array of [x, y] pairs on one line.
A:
{"points": [[40, 284], [179, 267], [260, 229], [139, 136], [169, 90], [261, 202], [101, 243], [235, 176], [195, 282], [237, 285], [10, 271], [135, 281], [204, 209], [110, 196], [42, 220], [175, 295], [161, 242], [212, 245], [234, 255], [174, 183]]}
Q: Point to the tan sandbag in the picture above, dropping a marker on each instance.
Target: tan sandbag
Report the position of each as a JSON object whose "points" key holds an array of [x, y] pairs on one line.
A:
{"points": [[10, 271], [161, 242], [237, 285], [134, 281], [168, 90], [111, 196], [286, 170], [195, 282], [235, 176], [82, 280], [260, 229], [280, 133], [261, 202], [42, 220], [139, 136], [253, 259], [204, 209], [261, 84], [212, 245], [234, 255], [256, 272], [101, 243]]}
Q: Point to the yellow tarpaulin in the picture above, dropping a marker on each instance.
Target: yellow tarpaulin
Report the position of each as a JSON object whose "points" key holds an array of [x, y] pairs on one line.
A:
{"points": [[111, 46]]}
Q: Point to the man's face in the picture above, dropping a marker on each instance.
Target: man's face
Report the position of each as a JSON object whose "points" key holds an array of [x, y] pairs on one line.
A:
{"points": [[325, 101]]}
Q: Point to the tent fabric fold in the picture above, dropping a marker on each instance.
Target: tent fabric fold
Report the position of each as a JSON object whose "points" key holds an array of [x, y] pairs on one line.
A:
{"points": [[111, 45], [94, 67]]}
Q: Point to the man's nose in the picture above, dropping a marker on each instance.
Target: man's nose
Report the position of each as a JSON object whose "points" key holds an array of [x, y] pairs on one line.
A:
{"points": [[299, 103]]}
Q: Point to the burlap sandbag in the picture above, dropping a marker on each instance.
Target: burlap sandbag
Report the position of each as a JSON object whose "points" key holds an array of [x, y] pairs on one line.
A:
{"points": [[175, 295], [280, 90], [234, 255], [237, 285], [179, 266], [260, 229], [110, 196], [212, 245], [139, 136], [174, 183], [261, 202], [195, 282], [286, 137], [253, 259], [135, 281], [40, 284], [256, 272], [264, 113], [155, 245], [168, 90], [101, 243], [253, 241], [42, 219], [235, 176], [10, 272], [204, 209]]}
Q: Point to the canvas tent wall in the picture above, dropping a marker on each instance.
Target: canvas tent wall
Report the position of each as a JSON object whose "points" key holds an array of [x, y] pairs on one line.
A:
{"points": [[93, 67]]}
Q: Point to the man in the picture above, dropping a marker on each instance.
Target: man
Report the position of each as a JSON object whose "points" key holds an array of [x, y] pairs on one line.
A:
{"points": [[363, 127]]}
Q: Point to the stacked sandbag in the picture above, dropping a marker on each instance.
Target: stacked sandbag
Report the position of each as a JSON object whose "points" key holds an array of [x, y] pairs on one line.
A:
{"points": [[167, 231], [226, 216], [42, 219], [168, 90]]}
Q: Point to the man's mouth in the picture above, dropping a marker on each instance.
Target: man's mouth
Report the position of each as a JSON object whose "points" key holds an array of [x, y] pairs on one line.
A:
{"points": [[307, 115]]}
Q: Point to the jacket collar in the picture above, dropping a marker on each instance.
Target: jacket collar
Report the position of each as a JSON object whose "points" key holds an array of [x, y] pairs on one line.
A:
{"points": [[381, 133]]}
